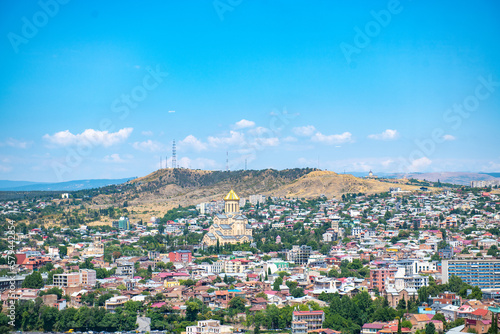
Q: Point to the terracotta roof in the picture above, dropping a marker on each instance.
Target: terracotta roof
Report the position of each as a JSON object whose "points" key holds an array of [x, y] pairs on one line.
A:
{"points": [[480, 312], [421, 317]]}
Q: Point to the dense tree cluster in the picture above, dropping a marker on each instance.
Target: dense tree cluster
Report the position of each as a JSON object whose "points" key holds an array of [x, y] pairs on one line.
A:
{"points": [[455, 284]]}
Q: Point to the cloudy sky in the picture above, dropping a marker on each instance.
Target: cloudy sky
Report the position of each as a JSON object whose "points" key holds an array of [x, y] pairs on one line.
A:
{"points": [[100, 90]]}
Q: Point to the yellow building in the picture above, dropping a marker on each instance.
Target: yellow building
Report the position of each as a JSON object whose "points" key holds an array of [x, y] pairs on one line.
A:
{"points": [[169, 284], [231, 227]]}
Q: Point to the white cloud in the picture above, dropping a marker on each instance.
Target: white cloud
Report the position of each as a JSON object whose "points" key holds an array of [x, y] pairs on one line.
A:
{"points": [[149, 146], [114, 158], [16, 143], [361, 166], [193, 142], [387, 163], [171, 111], [332, 139], [274, 141], [89, 136], [244, 124], [386, 135], [147, 133], [259, 131], [449, 137], [198, 163], [290, 139], [492, 166], [235, 138], [304, 131], [418, 165]]}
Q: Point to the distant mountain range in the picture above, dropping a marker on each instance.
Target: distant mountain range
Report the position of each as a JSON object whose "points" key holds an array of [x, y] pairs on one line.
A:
{"points": [[462, 178], [6, 185]]}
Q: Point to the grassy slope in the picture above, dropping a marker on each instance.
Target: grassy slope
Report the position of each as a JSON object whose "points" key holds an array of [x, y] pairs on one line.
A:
{"points": [[162, 190]]}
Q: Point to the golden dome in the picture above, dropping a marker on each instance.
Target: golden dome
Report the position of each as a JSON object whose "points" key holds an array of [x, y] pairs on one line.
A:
{"points": [[231, 196]]}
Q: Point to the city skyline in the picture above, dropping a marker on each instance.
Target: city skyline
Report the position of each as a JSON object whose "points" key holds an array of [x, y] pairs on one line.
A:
{"points": [[100, 90]]}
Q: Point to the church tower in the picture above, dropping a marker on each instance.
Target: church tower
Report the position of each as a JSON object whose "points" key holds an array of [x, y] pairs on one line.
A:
{"points": [[232, 203]]}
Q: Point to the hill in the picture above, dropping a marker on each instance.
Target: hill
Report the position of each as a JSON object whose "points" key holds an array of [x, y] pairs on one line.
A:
{"points": [[164, 189], [331, 184]]}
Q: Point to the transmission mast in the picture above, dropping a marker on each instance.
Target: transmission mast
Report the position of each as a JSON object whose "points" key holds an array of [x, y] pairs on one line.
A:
{"points": [[174, 156]]}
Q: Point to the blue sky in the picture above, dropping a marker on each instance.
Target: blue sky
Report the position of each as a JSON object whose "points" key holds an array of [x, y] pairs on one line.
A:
{"points": [[99, 90]]}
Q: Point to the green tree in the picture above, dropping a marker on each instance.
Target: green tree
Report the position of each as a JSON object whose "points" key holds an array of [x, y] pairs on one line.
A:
{"points": [[237, 304], [192, 310], [53, 291], [430, 328], [33, 281], [494, 324], [493, 250], [402, 304], [406, 324], [63, 251], [476, 293], [189, 282], [297, 292], [277, 282], [49, 317]]}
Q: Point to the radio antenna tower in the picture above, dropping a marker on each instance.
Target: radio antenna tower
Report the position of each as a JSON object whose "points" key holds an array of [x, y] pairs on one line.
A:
{"points": [[166, 161], [174, 156]]}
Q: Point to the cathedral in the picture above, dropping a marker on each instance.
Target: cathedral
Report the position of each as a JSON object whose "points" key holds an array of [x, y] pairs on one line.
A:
{"points": [[231, 227]]}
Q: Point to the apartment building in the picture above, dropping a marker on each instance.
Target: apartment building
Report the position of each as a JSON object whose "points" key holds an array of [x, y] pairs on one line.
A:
{"points": [[122, 224], [235, 266], [306, 321], [414, 266], [484, 273], [84, 277], [7, 283], [380, 277], [209, 327], [114, 302], [88, 277], [125, 269], [299, 254], [67, 279], [180, 256]]}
